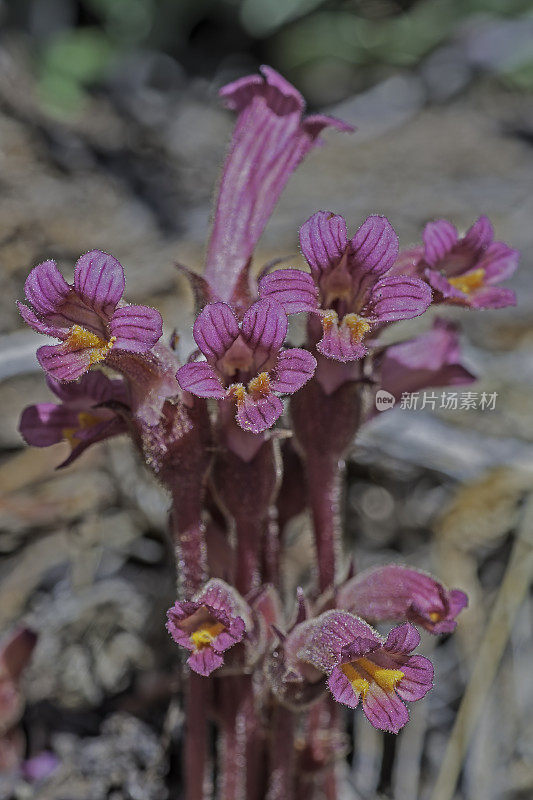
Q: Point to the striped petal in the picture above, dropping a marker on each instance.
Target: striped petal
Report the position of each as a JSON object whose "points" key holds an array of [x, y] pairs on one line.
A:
{"points": [[99, 280]]}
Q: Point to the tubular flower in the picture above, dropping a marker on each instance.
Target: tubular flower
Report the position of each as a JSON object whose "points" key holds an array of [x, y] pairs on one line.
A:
{"points": [[399, 593], [80, 418], [465, 270], [246, 362], [363, 667], [349, 286], [209, 624], [86, 315], [270, 139], [431, 359]]}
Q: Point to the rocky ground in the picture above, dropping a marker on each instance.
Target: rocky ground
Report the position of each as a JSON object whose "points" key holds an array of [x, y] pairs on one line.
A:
{"points": [[84, 558]]}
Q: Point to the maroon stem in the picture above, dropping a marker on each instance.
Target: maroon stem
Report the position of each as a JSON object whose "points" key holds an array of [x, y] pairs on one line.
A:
{"points": [[249, 537], [240, 751], [188, 533], [324, 480], [282, 756], [196, 755]]}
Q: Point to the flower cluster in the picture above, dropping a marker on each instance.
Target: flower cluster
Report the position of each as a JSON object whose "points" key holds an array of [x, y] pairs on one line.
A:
{"points": [[204, 428]]}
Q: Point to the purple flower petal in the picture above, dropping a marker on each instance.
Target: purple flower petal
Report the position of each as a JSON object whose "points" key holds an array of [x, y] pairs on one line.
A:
{"points": [[384, 710], [93, 388], [269, 141], [439, 237], [493, 297], [396, 592], [323, 240], [342, 690], [457, 600], [44, 424], [215, 330], [136, 328], [332, 631], [499, 262], [418, 678], [339, 344], [64, 366], [258, 415], [402, 639], [264, 328], [439, 282], [374, 248], [46, 288], [205, 661], [293, 289], [479, 236], [200, 378], [99, 281], [31, 319], [398, 298], [293, 369]]}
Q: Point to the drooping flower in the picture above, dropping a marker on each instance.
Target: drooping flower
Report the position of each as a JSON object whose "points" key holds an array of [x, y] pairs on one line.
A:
{"points": [[80, 418], [355, 293], [432, 359], [466, 270], [363, 667], [270, 139], [246, 362], [86, 315], [399, 593], [212, 622]]}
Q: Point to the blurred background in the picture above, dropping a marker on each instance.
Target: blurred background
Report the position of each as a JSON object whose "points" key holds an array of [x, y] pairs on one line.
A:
{"points": [[111, 136]]}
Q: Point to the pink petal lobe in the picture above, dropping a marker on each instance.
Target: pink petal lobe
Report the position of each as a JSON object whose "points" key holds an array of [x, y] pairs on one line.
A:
{"points": [[418, 678], [99, 280], [323, 240], [264, 327], [294, 367], [205, 661], [342, 690], [398, 298], [64, 366], [43, 424], [499, 262], [46, 288], [337, 344], [257, 416], [215, 330], [374, 248], [199, 378], [293, 289], [136, 328], [439, 239], [384, 710]]}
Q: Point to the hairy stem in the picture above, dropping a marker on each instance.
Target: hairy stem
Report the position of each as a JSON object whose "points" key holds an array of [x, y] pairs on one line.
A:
{"points": [[198, 785], [281, 784], [188, 533], [249, 537], [324, 479]]}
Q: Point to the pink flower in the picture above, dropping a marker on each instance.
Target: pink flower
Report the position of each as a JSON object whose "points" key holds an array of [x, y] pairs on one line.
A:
{"points": [[270, 139], [209, 624], [400, 593], [80, 418], [363, 667], [85, 316], [349, 286], [431, 359], [466, 270], [246, 362]]}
